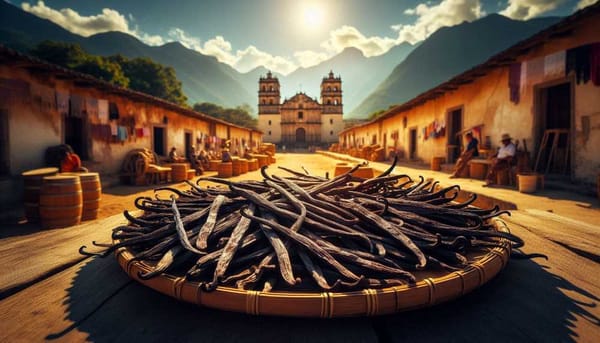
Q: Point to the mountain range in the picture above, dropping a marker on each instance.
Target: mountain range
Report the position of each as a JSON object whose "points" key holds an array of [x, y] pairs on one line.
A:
{"points": [[369, 84], [448, 52]]}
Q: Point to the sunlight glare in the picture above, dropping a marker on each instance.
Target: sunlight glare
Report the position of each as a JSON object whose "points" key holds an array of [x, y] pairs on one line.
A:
{"points": [[313, 16]]}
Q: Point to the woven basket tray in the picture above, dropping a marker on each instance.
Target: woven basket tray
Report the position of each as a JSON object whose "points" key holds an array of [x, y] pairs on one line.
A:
{"points": [[431, 289]]}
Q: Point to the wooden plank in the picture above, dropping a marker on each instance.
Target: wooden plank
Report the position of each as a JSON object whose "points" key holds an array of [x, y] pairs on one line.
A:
{"points": [[530, 301], [56, 306], [96, 301], [26, 259], [574, 234]]}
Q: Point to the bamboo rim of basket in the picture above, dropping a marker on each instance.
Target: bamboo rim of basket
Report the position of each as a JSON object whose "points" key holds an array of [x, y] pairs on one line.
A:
{"points": [[367, 302]]}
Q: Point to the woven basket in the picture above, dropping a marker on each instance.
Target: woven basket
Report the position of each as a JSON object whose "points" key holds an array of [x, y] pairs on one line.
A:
{"points": [[429, 290]]}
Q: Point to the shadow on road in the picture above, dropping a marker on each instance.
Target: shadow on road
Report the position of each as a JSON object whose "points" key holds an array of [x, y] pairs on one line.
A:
{"points": [[526, 302]]}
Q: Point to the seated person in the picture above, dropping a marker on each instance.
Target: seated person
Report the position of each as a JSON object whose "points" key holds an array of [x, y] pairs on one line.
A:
{"points": [[203, 157], [502, 159], [71, 161], [173, 157], [226, 156], [194, 162], [470, 152]]}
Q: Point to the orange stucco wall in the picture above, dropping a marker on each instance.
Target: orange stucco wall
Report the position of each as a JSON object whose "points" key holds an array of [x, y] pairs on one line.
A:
{"points": [[487, 101]]}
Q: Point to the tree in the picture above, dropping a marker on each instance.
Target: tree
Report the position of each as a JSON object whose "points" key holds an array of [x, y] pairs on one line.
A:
{"points": [[140, 74], [64, 54], [240, 115], [152, 78], [104, 69]]}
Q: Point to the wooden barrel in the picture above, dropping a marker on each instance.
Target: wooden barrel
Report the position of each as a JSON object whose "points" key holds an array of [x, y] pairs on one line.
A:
{"points": [[225, 169], [477, 170], [436, 163], [243, 166], [213, 165], [191, 173], [263, 160], [61, 201], [364, 172], [91, 188], [32, 181], [178, 172], [252, 164], [235, 166]]}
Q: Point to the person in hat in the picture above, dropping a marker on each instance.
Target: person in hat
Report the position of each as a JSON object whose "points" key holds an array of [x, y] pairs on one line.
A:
{"points": [[226, 156], [470, 152], [503, 158]]}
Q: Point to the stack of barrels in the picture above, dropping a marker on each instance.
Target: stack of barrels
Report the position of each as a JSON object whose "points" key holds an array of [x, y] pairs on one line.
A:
{"points": [[62, 199], [235, 166], [225, 169], [179, 172], [252, 164], [213, 165], [33, 180]]}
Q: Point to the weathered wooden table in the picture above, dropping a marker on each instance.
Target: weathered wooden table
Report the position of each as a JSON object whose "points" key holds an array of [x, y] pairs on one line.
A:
{"points": [[49, 292]]}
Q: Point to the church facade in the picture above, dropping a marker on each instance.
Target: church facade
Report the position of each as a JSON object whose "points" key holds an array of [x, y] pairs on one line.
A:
{"points": [[300, 121]]}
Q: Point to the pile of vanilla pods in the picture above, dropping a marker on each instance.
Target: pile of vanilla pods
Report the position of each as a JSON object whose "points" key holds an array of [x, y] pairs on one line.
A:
{"points": [[305, 232]]}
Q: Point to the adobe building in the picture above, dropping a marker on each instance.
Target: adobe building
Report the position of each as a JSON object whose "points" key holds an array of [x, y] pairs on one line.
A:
{"points": [[300, 121], [43, 105], [550, 81]]}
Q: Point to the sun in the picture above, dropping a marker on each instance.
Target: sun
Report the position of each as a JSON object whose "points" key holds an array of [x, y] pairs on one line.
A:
{"points": [[313, 16]]}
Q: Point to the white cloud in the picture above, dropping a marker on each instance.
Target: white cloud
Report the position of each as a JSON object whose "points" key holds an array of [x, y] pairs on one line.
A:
{"points": [[585, 3], [431, 18], [309, 58], [527, 9], [107, 20], [349, 36]]}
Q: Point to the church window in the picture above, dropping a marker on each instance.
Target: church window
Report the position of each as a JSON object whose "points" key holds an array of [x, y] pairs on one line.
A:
{"points": [[269, 122], [269, 133], [335, 89], [264, 101], [271, 89], [331, 121], [301, 106], [328, 102], [300, 115], [271, 102], [329, 89], [263, 88], [335, 102], [331, 133]]}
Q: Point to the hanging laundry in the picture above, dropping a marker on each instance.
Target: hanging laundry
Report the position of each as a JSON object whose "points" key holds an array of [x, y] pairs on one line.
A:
{"points": [[62, 102], [139, 132], [77, 106], [91, 107], [514, 82], [554, 65], [146, 132], [523, 78], [535, 71], [578, 61], [122, 133], [113, 129], [113, 111], [595, 64], [102, 110]]}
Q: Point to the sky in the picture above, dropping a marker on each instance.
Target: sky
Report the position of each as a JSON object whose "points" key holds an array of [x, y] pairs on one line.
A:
{"points": [[282, 35]]}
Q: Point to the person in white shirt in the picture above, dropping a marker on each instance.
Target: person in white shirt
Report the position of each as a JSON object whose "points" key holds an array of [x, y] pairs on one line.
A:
{"points": [[502, 160]]}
